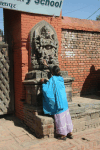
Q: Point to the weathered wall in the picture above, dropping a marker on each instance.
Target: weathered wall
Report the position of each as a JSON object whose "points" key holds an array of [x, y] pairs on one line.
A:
{"points": [[81, 54]]}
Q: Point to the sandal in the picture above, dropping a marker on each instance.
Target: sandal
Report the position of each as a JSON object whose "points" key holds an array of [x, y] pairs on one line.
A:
{"points": [[62, 138], [70, 136]]}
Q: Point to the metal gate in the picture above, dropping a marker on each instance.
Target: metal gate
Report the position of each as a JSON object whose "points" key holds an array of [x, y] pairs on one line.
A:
{"points": [[6, 103]]}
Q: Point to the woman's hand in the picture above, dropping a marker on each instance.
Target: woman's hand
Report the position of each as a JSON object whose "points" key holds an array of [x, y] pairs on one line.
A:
{"points": [[44, 62], [42, 80]]}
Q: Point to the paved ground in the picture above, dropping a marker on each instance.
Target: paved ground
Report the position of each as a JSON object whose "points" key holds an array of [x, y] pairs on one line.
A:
{"points": [[87, 99], [14, 135]]}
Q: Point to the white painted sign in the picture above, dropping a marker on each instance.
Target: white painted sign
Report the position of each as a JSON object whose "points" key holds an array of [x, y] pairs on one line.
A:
{"points": [[47, 7]]}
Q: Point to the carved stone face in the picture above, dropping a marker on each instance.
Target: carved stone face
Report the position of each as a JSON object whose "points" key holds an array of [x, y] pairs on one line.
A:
{"points": [[44, 46]]}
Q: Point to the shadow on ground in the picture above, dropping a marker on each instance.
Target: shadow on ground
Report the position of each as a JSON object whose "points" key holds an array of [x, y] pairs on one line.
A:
{"points": [[91, 86], [95, 97], [17, 122]]}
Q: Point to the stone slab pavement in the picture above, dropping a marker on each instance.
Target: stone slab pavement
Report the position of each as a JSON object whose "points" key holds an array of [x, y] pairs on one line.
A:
{"points": [[14, 135]]}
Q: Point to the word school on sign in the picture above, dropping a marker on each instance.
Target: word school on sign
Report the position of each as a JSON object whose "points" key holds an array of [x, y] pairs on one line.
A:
{"points": [[49, 3]]}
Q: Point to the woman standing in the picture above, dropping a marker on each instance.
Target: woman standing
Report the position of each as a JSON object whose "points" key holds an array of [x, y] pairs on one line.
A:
{"points": [[55, 103]]}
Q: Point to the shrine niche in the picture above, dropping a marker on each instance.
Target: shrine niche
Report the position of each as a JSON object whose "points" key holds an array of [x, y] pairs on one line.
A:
{"points": [[44, 46]]}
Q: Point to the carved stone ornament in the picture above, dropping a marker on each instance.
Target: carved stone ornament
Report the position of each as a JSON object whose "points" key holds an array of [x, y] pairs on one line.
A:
{"points": [[44, 45]]}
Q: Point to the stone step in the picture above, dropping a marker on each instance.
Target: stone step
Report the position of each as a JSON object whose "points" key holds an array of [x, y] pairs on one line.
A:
{"points": [[89, 119], [77, 108]]}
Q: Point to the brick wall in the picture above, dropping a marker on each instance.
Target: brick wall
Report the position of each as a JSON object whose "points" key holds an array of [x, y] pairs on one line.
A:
{"points": [[81, 58]]}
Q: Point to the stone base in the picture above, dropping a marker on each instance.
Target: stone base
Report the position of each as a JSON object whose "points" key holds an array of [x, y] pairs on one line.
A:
{"points": [[84, 116], [42, 126]]}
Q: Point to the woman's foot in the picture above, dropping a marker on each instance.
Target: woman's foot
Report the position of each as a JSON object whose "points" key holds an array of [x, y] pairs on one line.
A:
{"points": [[63, 137], [70, 136]]}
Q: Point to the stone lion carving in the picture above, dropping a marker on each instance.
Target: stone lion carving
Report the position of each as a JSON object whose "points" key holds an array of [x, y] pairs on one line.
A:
{"points": [[44, 46]]}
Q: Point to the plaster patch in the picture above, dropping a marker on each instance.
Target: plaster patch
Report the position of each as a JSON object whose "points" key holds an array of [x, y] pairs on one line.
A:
{"points": [[69, 54]]}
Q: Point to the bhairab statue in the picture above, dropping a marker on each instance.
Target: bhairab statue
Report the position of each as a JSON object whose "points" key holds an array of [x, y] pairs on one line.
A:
{"points": [[44, 46]]}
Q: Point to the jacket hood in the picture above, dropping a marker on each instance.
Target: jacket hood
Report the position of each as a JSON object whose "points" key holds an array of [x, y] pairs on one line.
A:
{"points": [[59, 78]]}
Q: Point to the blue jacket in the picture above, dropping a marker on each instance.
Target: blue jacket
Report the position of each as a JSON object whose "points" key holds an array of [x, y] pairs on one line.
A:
{"points": [[54, 96]]}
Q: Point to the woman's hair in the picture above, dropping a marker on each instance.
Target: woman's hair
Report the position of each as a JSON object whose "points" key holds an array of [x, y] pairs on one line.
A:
{"points": [[56, 71]]}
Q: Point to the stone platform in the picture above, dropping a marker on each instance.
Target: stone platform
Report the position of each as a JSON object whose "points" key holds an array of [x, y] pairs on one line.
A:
{"points": [[85, 114]]}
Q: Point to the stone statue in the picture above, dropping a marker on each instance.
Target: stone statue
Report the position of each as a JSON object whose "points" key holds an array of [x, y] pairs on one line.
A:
{"points": [[44, 47]]}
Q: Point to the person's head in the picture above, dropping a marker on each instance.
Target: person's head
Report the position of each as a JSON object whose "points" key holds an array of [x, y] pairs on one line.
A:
{"points": [[56, 71]]}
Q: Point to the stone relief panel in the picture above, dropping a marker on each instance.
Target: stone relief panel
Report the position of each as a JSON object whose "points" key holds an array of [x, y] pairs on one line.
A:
{"points": [[44, 45]]}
